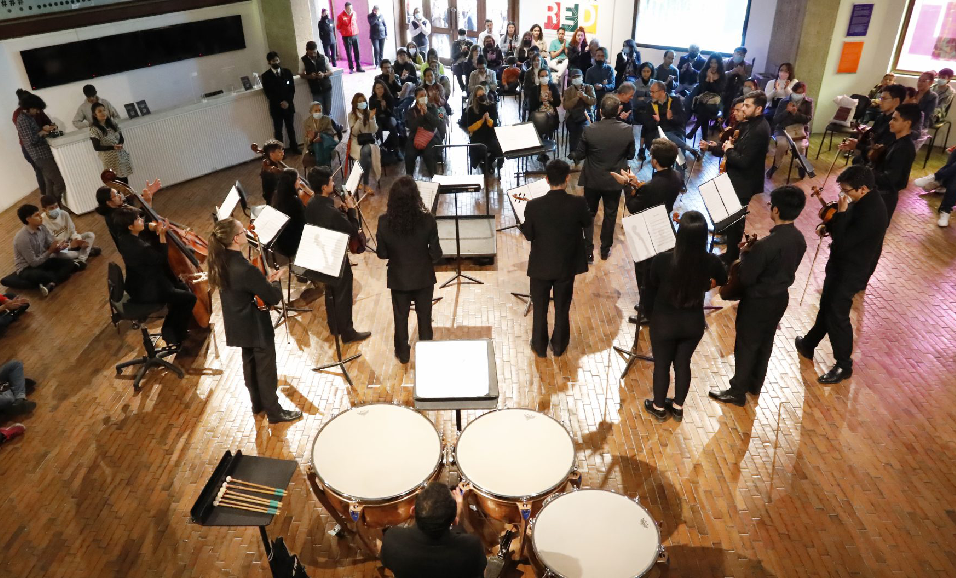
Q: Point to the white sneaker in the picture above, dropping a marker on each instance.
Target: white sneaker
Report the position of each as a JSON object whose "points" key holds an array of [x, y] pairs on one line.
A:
{"points": [[943, 219], [927, 183]]}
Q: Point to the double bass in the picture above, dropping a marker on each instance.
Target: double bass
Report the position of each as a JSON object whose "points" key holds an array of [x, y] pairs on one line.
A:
{"points": [[186, 251]]}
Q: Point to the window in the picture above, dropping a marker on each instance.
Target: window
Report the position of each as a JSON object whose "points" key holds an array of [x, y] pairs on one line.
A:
{"points": [[714, 25], [929, 37]]}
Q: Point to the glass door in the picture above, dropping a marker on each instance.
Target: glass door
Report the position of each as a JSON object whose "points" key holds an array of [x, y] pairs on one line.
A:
{"points": [[447, 16]]}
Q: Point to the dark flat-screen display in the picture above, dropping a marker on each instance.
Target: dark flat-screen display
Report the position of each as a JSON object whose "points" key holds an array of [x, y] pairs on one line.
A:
{"points": [[88, 59]]}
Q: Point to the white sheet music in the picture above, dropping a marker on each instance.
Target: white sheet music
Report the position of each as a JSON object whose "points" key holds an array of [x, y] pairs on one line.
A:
{"points": [[648, 233], [428, 191], [224, 211], [520, 196], [517, 137], [727, 193], [680, 154], [353, 182], [467, 360], [322, 250], [459, 180], [720, 198], [269, 223]]}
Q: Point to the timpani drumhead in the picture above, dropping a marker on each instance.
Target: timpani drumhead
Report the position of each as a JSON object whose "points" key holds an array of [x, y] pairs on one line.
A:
{"points": [[376, 452], [515, 453], [595, 534]]}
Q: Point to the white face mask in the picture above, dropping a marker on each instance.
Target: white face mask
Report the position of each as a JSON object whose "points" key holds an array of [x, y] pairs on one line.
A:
{"points": [[423, 100], [413, 51], [316, 115], [53, 213], [543, 80], [577, 81], [362, 105], [796, 97], [942, 81], [429, 81]]}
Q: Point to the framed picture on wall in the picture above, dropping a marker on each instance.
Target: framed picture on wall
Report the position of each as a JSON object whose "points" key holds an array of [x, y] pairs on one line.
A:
{"points": [[143, 107], [131, 111]]}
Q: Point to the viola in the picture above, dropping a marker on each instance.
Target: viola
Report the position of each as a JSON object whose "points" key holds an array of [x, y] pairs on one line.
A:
{"points": [[185, 250], [733, 289], [305, 193], [733, 138]]}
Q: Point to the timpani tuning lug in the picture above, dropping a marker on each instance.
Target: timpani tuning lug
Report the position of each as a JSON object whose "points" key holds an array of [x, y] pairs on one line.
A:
{"points": [[355, 511], [525, 509], [662, 556]]}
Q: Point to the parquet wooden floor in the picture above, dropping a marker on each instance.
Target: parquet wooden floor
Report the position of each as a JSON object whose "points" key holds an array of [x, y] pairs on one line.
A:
{"points": [[851, 480]]}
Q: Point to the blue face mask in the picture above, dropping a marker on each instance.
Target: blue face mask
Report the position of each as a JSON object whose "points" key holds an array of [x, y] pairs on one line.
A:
{"points": [[53, 214], [361, 105], [738, 59]]}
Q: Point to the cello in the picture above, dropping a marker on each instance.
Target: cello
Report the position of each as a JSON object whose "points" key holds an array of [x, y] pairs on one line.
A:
{"points": [[186, 251]]}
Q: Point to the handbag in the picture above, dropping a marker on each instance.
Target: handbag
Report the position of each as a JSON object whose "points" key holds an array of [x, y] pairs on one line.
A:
{"points": [[365, 138], [709, 98], [423, 137]]}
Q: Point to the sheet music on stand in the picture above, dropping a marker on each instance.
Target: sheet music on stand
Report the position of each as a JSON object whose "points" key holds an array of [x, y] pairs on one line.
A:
{"points": [[681, 160], [224, 211], [517, 137], [648, 233], [322, 250], [353, 181], [519, 196], [269, 223], [428, 191], [721, 202]]}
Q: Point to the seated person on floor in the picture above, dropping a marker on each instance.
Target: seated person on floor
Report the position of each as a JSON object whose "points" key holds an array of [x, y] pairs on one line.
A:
{"points": [[14, 387], [60, 224], [11, 308], [37, 255]]}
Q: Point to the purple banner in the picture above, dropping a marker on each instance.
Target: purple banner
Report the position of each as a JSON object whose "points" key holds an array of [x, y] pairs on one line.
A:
{"points": [[860, 20]]}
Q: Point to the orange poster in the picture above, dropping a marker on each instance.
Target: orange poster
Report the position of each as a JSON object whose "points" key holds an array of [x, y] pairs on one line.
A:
{"points": [[850, 57]]}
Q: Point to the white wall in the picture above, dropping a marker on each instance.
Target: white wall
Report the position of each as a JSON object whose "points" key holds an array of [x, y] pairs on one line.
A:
{"points": [[164, 86], [616, 22]]}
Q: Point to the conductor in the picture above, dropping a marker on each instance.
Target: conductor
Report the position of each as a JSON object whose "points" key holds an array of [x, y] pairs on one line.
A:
{"points": [[555, 224]]}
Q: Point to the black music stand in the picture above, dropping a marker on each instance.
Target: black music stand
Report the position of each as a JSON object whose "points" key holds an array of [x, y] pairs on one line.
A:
{"points": [[633, 354], [453, 190], [258, 470], [796, 156], [340, 363]]}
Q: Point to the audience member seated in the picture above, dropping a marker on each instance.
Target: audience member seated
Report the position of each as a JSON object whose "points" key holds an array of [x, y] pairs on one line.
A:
{"points": [[321, 137], [558, 52], [362, 146], [11, 308], [481, 116], [779, 88], [872, 105], [665, 112], [642, 87], [389, 78], [484, 76], [578, 54], [405, 69], [84, 113], [530, 72], [511, 75], [493, 55], [578, 100], [794, 115], [537, 38], [509, 41], [287, 201], [471, 64], [79, 245], [707, 103], [272, 155], [946, 178], [628, 63], [689, 66], [879, 133], [435, 547], [944, 94], [524, 49], [926, 98], [382, 102], [667, 72], [148, 278], [600, 75], [37, 255], [436, 93], [545, 97], [14, 387], [737, 71], [421, 120], [624, 93], [439, 70], [415, 55], [459, 56]]}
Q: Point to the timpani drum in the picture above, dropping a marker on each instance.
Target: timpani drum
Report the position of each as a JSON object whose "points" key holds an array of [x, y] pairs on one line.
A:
{"points": [[595, 534], [513, 459], [372, 461]]}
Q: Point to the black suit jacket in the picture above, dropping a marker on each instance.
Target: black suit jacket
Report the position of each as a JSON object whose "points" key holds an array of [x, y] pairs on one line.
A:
{"points": [[321, 212], [663, 189], [148, 277], [745, 162], [857, 235], [605, 146], [893, 172], [410, 257], [555, 225], [278, 88], [246, 325], [410, 553]]}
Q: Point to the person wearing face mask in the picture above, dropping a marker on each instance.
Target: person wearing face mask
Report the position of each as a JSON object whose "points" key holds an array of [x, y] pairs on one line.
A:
{"points": [[944, 95], [483, 76], [628, 62], [738, 70], [523, 53], [779, 88], [577, 101], [509, 40], [689, 67], [415, 54], [481, 116], [377, 32], [545, 98], [362, 146], [493, 56], [315, 70], [79, 245], [422, 119], [418, 30], [794, 115], [600, 75], [327, 36], [459, 56], [279, 86], [320, 135], [347, 24]]}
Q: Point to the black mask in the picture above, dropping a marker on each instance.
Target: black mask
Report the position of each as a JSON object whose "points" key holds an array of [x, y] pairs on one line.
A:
{"points": [[483, 99], [527, 43]]}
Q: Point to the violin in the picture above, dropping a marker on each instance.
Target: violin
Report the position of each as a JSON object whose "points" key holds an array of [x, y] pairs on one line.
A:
{"points": [[733, 289], [305, 193], [826, 213], [186, 251]]}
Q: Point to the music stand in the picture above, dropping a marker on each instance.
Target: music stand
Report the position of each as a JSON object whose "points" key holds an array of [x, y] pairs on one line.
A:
{"points": [[350, 185], [521, 141], [339, 362], [453, 189], [796, 156], [472, 358], [722, 206]]}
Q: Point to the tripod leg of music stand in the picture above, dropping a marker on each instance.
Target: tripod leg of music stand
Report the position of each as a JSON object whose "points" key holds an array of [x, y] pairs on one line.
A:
{"points": [[340, 363], [265, 541], [458, 274]]}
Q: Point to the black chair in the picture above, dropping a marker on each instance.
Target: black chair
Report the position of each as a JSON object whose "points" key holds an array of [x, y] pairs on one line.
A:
{"points": [[121, 309], [935, 130]]}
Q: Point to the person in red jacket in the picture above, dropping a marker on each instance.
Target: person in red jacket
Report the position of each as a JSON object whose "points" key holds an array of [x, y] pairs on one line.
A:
{"points": [[347, 25]]}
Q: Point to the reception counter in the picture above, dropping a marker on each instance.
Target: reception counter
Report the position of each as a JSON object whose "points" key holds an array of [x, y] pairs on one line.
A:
{"points": [[183, 143]]}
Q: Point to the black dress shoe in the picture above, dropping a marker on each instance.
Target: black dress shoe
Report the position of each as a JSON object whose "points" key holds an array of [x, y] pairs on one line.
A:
{"points": [[660, 414], [256, 409], [403, 358], [356, 336], [678, 413], [605, 253], [29, 384], [726, 396], [95, 252], [591, 258], [556, 352], [286, 415], [802, 347], [754, 391], [836, 375], [634, 319], [536, 352]]}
